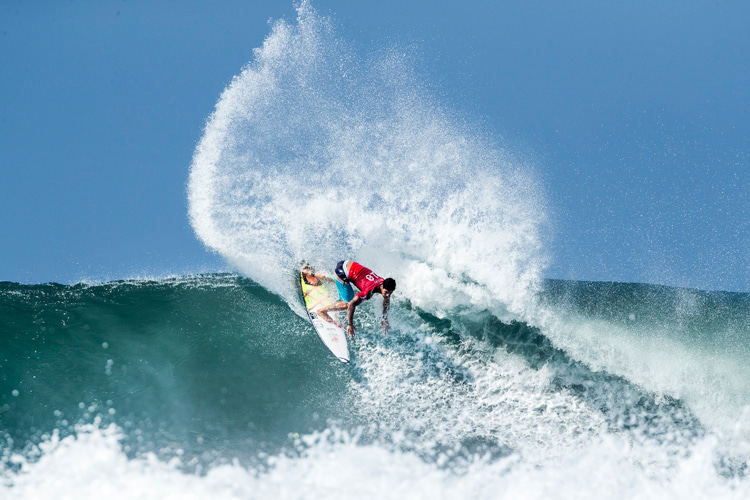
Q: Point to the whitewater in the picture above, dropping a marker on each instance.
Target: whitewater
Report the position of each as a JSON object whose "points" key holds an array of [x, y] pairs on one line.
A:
{"points": [[493, 382]]}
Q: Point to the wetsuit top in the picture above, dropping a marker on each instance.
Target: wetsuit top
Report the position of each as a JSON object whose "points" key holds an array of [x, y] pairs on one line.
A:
{"points": [[363, 278]]}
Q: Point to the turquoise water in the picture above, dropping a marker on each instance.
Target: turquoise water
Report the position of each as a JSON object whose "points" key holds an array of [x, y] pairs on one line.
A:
{"points": [[172, 384], [205, 358]]}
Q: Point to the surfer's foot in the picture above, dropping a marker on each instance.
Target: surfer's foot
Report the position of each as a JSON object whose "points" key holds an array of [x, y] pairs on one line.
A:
{"points": [[325, 316]]}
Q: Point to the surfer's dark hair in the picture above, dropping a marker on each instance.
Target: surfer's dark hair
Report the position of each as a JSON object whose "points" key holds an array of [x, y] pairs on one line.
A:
{"points": [[389, 284]]}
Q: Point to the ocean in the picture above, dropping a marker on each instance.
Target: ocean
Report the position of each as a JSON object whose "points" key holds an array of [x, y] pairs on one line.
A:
{"points": [[209, 386], [493, 382]]}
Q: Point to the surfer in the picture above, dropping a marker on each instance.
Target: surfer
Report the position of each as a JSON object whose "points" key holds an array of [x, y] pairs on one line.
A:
{"points": [[348, 272]]}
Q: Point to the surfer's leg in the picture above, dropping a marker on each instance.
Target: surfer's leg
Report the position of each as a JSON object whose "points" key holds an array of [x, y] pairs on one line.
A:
{"points": [[346, 294]]}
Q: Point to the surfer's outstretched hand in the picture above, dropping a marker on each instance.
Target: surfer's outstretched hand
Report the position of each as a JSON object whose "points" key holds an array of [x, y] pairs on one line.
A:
{"points": [[384, 324], [350, 331]]}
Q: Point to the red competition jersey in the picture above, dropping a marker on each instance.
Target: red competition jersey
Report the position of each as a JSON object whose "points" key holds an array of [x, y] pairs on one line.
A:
{"points": [[364, 279]]}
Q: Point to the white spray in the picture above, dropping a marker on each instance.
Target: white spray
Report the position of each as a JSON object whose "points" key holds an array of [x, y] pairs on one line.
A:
{"points": [[314, 155]]}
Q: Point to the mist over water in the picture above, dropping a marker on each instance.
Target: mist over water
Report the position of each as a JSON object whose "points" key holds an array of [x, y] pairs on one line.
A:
{"points": [[680, 343], [493, 382]]}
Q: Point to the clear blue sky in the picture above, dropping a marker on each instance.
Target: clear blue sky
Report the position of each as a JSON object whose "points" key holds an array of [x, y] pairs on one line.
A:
{"points": [[636, 115]]}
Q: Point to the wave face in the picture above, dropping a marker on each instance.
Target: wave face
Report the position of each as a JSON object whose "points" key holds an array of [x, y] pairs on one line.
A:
{"points": [[168, 358], [210, 386]]}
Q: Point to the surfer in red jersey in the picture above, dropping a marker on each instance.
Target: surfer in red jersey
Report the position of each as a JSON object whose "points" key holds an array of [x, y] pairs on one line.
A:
{"points": [[348, 272]]}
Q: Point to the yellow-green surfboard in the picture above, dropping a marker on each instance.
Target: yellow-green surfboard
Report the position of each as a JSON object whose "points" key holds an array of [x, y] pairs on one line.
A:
{"points": [[317, 295]]}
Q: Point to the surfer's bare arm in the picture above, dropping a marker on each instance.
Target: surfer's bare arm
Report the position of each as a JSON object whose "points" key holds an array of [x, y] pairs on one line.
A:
{"points": [[350, 316], [386, 306]]}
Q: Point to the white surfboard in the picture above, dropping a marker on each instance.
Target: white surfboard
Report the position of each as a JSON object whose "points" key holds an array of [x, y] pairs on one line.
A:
{"points": [[316, 295]]}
